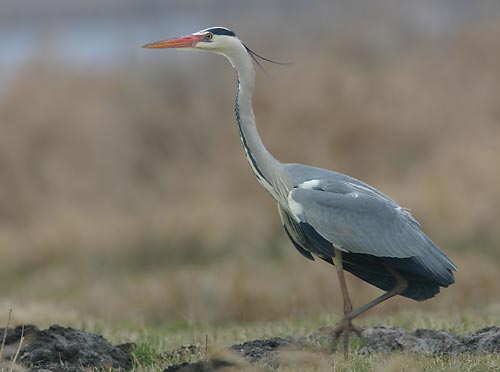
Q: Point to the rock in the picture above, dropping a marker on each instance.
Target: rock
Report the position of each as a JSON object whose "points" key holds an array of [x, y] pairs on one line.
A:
{"points": [[61, 349]]}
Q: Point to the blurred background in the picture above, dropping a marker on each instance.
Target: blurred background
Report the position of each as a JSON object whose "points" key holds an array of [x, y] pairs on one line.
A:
{"points": [[125, 195]]}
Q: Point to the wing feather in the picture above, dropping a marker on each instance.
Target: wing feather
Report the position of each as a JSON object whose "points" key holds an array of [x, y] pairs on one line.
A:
{"points": [[361, 222]]}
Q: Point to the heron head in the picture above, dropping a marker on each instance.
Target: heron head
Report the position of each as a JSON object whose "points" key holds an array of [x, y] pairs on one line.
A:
{"points": [[218, 40], [214, 39]]}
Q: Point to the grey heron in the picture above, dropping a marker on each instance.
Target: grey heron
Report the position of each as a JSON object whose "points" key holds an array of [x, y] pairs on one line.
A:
{"points": [[330, 215]]}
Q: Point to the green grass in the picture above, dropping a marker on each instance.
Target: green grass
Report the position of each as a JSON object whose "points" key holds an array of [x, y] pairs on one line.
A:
{"points": [[158, 347]]}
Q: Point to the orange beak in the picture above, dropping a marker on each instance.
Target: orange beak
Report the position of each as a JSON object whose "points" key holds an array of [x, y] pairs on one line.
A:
{"points": [[179, 42]]}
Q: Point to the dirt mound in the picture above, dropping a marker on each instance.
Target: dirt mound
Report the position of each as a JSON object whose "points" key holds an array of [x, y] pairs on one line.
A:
{"points": [[60, 349], [426, 341]]}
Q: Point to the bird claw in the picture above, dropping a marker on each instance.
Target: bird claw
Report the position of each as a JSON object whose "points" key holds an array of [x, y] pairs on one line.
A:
{"points": [[344, 329]]}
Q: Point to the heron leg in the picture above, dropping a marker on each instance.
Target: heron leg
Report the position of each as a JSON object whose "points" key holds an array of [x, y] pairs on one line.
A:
{"points": [[337, 261], [344, 327], [401, 285]]}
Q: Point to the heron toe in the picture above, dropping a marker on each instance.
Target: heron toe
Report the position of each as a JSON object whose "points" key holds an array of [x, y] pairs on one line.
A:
{"points": [[344, 328]]}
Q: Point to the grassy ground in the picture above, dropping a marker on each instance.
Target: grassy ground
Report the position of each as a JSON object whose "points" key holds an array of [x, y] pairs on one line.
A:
{"points": [[208, 341]]}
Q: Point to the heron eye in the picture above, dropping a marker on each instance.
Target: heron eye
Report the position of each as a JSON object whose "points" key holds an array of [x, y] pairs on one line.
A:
{"points": [[209, 36]]}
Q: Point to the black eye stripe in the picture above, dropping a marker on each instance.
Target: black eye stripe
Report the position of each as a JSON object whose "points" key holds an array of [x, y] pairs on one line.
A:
{"points": [[221, 31]]}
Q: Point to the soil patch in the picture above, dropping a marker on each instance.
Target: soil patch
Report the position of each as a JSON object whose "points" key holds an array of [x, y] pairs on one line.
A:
{"points": [[61, 349]]}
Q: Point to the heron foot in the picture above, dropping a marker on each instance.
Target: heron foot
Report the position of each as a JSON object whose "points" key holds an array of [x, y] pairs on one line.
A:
{"points": [[344, 328]]}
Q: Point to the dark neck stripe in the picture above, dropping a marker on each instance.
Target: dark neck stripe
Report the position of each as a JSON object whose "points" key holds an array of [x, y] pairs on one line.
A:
{"points": [[243, 139]]}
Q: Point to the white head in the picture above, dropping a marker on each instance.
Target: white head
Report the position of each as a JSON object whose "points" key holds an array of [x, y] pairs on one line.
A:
{"points": [[219, 40]]}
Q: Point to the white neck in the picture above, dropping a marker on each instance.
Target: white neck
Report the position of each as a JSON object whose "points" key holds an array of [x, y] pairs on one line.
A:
{"points": [[269, 171]]}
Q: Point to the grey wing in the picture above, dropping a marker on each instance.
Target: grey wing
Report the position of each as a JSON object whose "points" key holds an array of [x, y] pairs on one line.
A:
{"points": [[360, 221]]}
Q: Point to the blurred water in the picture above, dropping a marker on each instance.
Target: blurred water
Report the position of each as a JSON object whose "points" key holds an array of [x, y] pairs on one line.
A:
{"points": [[97, 34], [86, 40]]}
